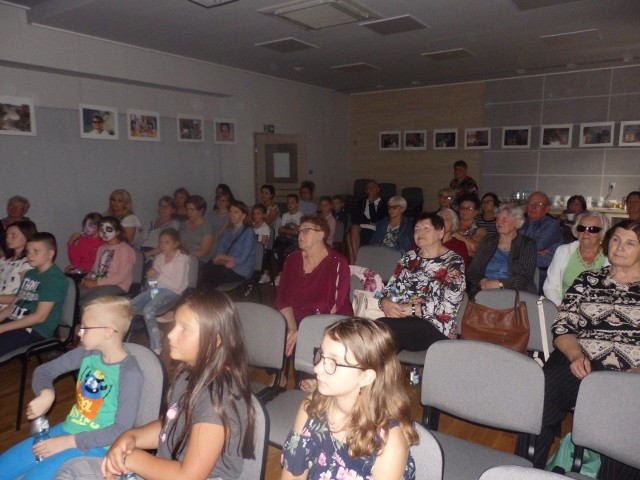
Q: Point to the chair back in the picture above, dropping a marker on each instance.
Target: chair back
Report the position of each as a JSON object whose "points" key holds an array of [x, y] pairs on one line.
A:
{"points": [[137, 274], [360, 187], [338, 236], [514, 472], [255, 468], [380, 259], [607, 418], [427, 455], [310, 333], [68, 313], [152, 390], [415, 201], [387, 190], [504, 298], [194, 268], [265, 331], [484, 383]]}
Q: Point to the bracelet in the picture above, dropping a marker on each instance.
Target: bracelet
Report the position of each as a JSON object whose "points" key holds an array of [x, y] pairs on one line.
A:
{"points": [[380, 302], [413, 309]]}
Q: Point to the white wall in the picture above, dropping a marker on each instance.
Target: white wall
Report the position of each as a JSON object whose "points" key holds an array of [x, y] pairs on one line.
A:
{"points": [[65, 176]]}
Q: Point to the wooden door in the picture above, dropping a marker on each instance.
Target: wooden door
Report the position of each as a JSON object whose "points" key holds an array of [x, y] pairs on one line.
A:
{"points": [[280, 160]]}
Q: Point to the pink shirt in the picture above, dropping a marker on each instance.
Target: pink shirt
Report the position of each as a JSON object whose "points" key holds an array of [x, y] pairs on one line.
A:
{"points": [[174, 274], [115, 264]]}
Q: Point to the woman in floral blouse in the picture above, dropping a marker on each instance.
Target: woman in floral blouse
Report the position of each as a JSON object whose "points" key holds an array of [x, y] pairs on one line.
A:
{"points": [[422, 297], [357, 424]]}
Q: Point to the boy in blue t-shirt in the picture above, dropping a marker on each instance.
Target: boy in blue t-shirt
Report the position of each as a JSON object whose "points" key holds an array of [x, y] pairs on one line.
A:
{"points": [[108, 392]]}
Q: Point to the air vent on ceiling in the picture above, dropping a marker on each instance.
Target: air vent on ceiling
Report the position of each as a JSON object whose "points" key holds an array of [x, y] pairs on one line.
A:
{"points": [[319, 14], [212, 3], [569, 38], [444, 55], [390, 26], [286, 45], [356, 68], [531, 4]]}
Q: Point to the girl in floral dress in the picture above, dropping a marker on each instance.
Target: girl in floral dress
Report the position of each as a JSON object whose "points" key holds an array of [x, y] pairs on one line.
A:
{"points": [[357, 424]]}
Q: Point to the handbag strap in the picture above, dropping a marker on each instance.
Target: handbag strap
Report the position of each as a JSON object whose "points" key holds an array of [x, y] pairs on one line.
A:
{"points": [[543, 327]]}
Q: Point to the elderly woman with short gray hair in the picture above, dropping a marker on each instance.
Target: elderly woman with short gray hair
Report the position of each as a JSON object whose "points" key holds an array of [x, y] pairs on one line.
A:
{"points": [[572, 259], [396, 230], [505, 260]]}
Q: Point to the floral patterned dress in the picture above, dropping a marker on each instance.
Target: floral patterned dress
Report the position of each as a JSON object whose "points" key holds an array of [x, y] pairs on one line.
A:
{"points": [[326, 458]]}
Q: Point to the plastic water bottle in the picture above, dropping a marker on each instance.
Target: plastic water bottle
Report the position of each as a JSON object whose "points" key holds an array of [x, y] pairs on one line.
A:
{"points": [[39, 432], [414, 376], [153, 284], [128, 476]]}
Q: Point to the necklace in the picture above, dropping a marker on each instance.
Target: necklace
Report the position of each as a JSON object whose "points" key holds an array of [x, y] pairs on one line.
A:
{"points": [[588, 266]]}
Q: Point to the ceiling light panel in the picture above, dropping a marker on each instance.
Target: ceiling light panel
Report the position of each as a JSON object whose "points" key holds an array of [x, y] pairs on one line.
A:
{"points": [[445, 55], [391, 26], [532, 4], [212, 3], [286, 45], [569, 38], [356, 68], [319, 14]]}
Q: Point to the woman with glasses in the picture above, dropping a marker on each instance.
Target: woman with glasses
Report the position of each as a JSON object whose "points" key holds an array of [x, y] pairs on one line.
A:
{"points": [[422, 297], [395, 231], [469, 231], [584, 254], [315, 279], [486, 218], [357, 424]]}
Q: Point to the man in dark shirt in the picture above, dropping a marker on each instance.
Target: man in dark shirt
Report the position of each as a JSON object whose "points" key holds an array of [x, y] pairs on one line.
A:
{"points": [[370, 211], [462, 184]]}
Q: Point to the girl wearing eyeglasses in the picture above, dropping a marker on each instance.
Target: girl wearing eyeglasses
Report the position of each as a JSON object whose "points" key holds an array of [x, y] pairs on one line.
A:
{"points": [[357, 424], [572, 259]]}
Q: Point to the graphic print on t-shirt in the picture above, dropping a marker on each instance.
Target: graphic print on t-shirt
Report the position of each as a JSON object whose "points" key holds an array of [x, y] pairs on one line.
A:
{"points": [[105, 263], [91, 390], [27, 293]]}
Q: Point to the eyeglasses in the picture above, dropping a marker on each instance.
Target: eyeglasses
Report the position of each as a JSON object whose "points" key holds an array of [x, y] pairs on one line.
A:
{"points": [[329, 364], [487, 201], [537, 204], [97, 121], [394, 206], [467, 208], [582, 228], [307, 230], [446, 196], [83, 328]]}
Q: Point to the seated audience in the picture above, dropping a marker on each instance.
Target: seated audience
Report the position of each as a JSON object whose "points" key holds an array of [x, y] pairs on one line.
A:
{"points": [[421, 299], [14, 264], [315, 279], [505, 260], [307, 206], [82, 248], [196, 234], [446, 198], [325, 212], [370, 211], [180, 197], [462, 184], [34, 314], [544, 229], [357, 424], [208, 426], [108, 389], [17, 209], [287, 239], [486, 218], [150, 243], [451, 224], [469, 231], [219, 216], [170, 271], [396, 230], [603, 336], [112, 271], [121, 207], [584, 254], [632, 203], [234, 258], [267, 194]]}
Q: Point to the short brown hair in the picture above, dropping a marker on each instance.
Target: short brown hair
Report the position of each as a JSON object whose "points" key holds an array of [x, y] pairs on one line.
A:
{"points": [[319, 222]]}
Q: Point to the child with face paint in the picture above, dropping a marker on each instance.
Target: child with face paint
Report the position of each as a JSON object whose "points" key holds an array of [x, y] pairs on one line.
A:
{"points": [[83, 247], [112, 270]]}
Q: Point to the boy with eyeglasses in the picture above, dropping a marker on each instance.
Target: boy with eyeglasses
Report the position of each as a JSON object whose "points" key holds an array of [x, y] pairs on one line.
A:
{"points": [[108, 392]]}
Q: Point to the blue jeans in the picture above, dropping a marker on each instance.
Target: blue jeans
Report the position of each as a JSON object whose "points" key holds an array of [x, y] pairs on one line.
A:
{"points": [[150, 308], [19, 459]]}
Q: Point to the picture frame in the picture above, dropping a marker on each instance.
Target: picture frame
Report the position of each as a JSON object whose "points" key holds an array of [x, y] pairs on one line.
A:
{"points": [[556, 136], [516, 137], [414, 140], [98, 122], [445, 138], [17, 116], [477, 138], [390, 140], [629, 134], [596, 134], [190, 128], [143, 125], [224, 131]]}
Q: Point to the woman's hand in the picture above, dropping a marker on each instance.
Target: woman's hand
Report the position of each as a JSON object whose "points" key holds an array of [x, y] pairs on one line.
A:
{"points": [[88, 283], [292, 336], [580, 367], [113, 462], [394, 310], [152, 273], [51, 446], [487, 283], [41, 404]]}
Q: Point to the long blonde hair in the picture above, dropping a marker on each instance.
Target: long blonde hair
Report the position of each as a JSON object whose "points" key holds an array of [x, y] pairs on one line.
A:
{"points": [[127, 199], [380, 402]]}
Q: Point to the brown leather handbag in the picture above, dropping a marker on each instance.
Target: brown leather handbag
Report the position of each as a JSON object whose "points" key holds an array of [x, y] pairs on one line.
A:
{"points": [[508, 328]]}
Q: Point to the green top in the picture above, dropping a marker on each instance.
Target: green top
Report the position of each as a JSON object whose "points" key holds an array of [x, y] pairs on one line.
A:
{"points": [[576, 266]]}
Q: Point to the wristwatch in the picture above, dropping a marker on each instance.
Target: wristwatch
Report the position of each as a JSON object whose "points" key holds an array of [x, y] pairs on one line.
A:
{"points": [[500, 284]]}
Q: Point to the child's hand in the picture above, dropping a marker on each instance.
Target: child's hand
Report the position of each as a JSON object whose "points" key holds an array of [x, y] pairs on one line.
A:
{"points": [[51, 446], [88, 283], [41, 404], [152, 273], [113, 462], [74, 238]]}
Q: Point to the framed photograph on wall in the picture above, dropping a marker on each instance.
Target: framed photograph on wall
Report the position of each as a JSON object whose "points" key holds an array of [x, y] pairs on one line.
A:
{"points": [[17, 116], [224, 130], [516, 137], [415, 140], [629, 134], [598, 134], [143, 125], [445, 138], [477, 138], [190, 128], [390, 140], [98, 122], [556, 136]]}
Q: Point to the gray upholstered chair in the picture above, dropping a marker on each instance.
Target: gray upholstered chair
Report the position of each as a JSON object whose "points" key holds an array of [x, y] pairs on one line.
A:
{"points": [[380, 259], [513, 472], [152, 390], [485, 384], [255, 468], [427, 456]]}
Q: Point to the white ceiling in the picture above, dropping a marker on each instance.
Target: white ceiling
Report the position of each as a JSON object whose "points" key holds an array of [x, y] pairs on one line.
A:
{"points": [[505, 41]]}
